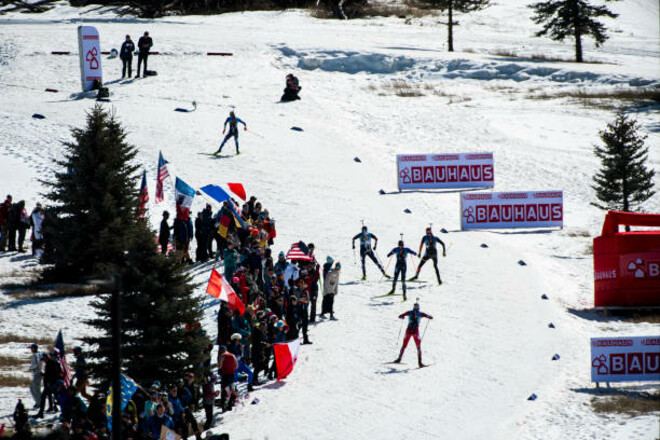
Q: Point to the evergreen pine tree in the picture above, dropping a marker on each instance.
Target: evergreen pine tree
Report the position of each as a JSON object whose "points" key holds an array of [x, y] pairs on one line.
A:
{"points": [[460, 6], [624, 182], [576, 18], [161, 332], [93, 201]]}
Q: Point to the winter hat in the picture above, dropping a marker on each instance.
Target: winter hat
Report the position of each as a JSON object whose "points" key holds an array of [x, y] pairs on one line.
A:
{"points": [[279, 324], [400, 242], [416, 306], [34, 346], [235, 280], [236, 337], [329, 259], [222, 348], [281, 255], [338, 265]]}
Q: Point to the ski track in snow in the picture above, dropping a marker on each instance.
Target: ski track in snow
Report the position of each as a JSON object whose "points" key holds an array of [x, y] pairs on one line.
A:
{"points": [[489, 342]]}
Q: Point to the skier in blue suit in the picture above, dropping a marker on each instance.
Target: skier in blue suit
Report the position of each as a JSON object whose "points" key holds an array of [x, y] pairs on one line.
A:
{"points": [[401, 253], [233, 122], [431, 253]]}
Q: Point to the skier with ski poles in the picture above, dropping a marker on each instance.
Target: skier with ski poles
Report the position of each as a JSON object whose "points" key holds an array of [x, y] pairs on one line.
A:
{"points": [[401, 252], [366, 250], [233, 122], [431, 253], [414, 317]]}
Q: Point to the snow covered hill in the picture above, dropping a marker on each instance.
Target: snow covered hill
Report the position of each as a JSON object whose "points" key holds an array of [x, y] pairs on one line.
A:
{"points": [[490, 344]]}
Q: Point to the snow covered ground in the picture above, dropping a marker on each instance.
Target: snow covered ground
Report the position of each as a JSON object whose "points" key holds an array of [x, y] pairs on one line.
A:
{"points": [[490, 344]]}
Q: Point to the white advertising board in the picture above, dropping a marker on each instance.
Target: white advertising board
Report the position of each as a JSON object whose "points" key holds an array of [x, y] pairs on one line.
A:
{"points": [[623, 359], [521, 209], [89, 49], [432, 171]]}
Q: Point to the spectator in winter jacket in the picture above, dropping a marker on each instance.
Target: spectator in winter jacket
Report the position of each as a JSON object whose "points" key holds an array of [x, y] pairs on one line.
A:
{"points": [[144, 46], [164, 234], [36, 222], [81, 375], [51, 376], [227, 365], [330, 287], [35, 369], [209, 395], [157, 421], [14, 223], [126, 55], [23, 225], [4, 222]]}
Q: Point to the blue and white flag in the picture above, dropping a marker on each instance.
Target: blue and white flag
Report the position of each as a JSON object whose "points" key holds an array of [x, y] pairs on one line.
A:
{"points": [[183, 193]]}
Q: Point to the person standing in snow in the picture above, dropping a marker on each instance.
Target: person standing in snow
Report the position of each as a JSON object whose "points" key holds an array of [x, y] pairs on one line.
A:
{"points": [[126, 56], [401, 266], [366, 250], [414, 316], [144, 46], [330, 287], [4, 222], [35, 369], [36, 221], [431, 253], [233, 122], [164, 235]]}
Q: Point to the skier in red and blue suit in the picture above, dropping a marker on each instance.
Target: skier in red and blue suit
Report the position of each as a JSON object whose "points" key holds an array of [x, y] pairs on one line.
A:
{"points": [[414, 317]]}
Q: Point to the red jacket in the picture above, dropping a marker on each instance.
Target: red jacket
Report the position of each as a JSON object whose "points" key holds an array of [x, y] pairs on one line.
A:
{"points": [[228, 363]]}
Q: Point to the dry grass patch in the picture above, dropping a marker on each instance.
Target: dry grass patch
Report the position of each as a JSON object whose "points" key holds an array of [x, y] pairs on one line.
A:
{"points": [[11, 362], [408, 89], [10, 380], [8, 338], [605, 100], [632, 404]]}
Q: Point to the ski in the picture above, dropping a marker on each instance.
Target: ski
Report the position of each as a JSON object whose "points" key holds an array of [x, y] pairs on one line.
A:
{"points": [[216, 155], [386, 295]]}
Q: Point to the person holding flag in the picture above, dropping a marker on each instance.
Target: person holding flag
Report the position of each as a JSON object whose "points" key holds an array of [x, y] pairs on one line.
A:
{"points": [[233, 122], [401, 266], [431, 253], [414, 317]]}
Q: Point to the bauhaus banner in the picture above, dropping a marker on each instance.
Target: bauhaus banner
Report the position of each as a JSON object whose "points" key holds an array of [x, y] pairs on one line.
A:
{"points": [[522, 209], [635, 358], [431, 171]]}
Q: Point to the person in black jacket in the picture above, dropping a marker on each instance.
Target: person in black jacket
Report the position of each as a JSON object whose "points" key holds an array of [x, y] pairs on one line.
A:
{"points": [[144, 46], [164, 235], [126, 55]]}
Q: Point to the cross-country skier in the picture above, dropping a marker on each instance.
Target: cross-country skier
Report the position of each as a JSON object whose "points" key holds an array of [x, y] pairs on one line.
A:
{"points": [[366, 251], [233, 122], [431, 253], [401, 252], [414, 316]]}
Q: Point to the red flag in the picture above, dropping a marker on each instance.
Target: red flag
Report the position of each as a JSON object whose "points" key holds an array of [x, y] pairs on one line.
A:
{"points": [[286, 355], [144, 196], [237, 188], [218, 287]]}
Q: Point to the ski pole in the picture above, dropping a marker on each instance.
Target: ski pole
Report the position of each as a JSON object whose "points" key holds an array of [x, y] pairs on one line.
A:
{"points": [[399, 335], [386, 267], [427, 326], [412, 260], [256, 134], [354, 257]]}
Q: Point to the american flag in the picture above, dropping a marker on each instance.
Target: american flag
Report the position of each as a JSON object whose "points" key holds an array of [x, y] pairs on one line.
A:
{"points": [[299, 251], [162, 175], [144, 196], [61, 358]]}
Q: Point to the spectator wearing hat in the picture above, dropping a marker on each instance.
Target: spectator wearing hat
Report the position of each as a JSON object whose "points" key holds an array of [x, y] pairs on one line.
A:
{"points": [[209, 394], [51, 376], [330, 290], [126, 56], [35, 369]]}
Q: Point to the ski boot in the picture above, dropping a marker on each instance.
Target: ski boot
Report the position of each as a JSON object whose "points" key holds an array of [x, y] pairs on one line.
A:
{"points": [[397, 360], [391, 292], [364, 278], [404, 295], [414, 278], [439, 282], [387, 276]]}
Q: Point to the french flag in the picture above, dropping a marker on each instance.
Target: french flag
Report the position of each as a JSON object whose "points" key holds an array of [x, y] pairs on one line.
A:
{"points": [[218, 287], [286, 355]]}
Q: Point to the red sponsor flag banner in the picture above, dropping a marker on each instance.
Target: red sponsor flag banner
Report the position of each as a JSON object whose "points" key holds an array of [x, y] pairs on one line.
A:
{"points": [[458, 170], [504, 210], [218, 287], [624, 359], [237, 188], [286, 355]]}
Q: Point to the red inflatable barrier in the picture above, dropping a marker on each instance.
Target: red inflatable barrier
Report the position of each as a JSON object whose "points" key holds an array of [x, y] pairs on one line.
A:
{"points": [[627, 264]]}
